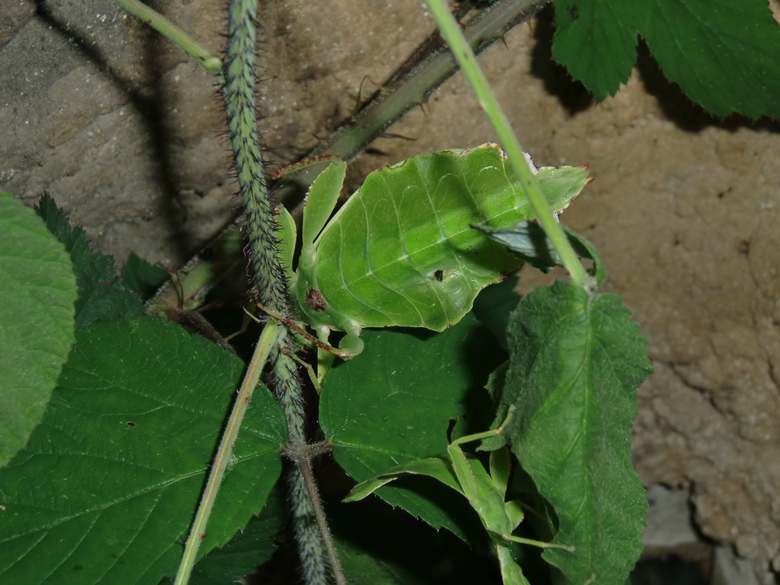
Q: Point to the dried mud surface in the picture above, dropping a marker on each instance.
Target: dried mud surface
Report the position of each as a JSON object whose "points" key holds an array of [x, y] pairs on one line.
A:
{"points": [[123, 130]]}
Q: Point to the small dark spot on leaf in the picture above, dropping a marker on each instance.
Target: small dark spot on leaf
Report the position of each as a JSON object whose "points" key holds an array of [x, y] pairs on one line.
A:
{"points": [[575, 12], [130, 424], [439, 275], [315, 301]]}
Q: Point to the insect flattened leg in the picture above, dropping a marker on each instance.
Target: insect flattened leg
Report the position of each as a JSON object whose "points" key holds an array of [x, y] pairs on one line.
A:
{"points": [[324, 358], [352, 343], [287, 235], [321, 200]]}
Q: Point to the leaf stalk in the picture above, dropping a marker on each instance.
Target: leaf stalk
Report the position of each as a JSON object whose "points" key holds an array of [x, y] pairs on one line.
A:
{"points": [[268, 340], [211, 62]]}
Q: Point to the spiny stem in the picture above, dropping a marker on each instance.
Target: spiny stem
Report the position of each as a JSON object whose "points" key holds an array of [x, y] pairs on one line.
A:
{"points": [[211, 62], [270, 279], [451, 32], [268, 340], [322, 521]]}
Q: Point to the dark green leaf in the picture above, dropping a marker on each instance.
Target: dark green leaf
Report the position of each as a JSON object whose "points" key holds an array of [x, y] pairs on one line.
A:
{"points": [[596, 41], [37, 290], [576, 365], [723, 54], [102, 295], [141, 277], [408, 551], [106, 488], [395, 402], [494, 305], [361, 568]]}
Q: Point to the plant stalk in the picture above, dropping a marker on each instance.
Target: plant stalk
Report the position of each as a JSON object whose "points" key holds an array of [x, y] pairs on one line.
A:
{"points": [[268, 340], [211, 62], [451, 31]]}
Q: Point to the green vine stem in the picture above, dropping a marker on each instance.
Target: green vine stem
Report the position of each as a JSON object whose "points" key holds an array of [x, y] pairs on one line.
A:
{"points": [[211, 62], [451, 31], [268, 340]]}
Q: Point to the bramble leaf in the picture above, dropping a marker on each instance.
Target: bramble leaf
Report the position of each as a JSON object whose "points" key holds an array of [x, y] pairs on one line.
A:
{"points": [[102, 295], [38, 290], [107, 486], [250, 547], [576, 363], [723, 54], [141, 277]]}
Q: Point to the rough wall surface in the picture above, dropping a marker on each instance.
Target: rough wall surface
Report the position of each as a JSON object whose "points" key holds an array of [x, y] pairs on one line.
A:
{"points": [[124, 131]]}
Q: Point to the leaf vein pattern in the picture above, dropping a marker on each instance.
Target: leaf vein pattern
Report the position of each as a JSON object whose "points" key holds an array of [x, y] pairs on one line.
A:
{"points": [[74, 547]]}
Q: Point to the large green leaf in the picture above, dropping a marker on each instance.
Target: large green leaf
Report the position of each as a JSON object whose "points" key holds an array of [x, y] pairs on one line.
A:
{"points": [[395, 402], [106, 488], [37, 292], [576, 363], [723, 54], [102, 294]]}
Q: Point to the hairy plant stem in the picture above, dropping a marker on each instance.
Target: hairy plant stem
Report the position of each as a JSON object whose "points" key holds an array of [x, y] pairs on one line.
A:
{"points": [[452, 33], [269, 276], [268, 340]]}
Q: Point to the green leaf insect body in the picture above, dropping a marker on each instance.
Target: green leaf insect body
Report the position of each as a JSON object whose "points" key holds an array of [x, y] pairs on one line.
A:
{"points": [[401, 251]]}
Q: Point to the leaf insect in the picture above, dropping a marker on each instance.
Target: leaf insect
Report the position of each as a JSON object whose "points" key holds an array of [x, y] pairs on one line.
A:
{"points": [[486, 493], [400, 251]]}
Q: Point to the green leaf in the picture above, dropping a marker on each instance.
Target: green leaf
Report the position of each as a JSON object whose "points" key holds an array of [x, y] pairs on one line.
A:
{"points": [[596, 41], [723, 54], [408, 551], [248, 549], [394, 405], [494, 305], [576, 365], [102, 295], [365, 569], [141, 277], [37, 289], [106, 488]]}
